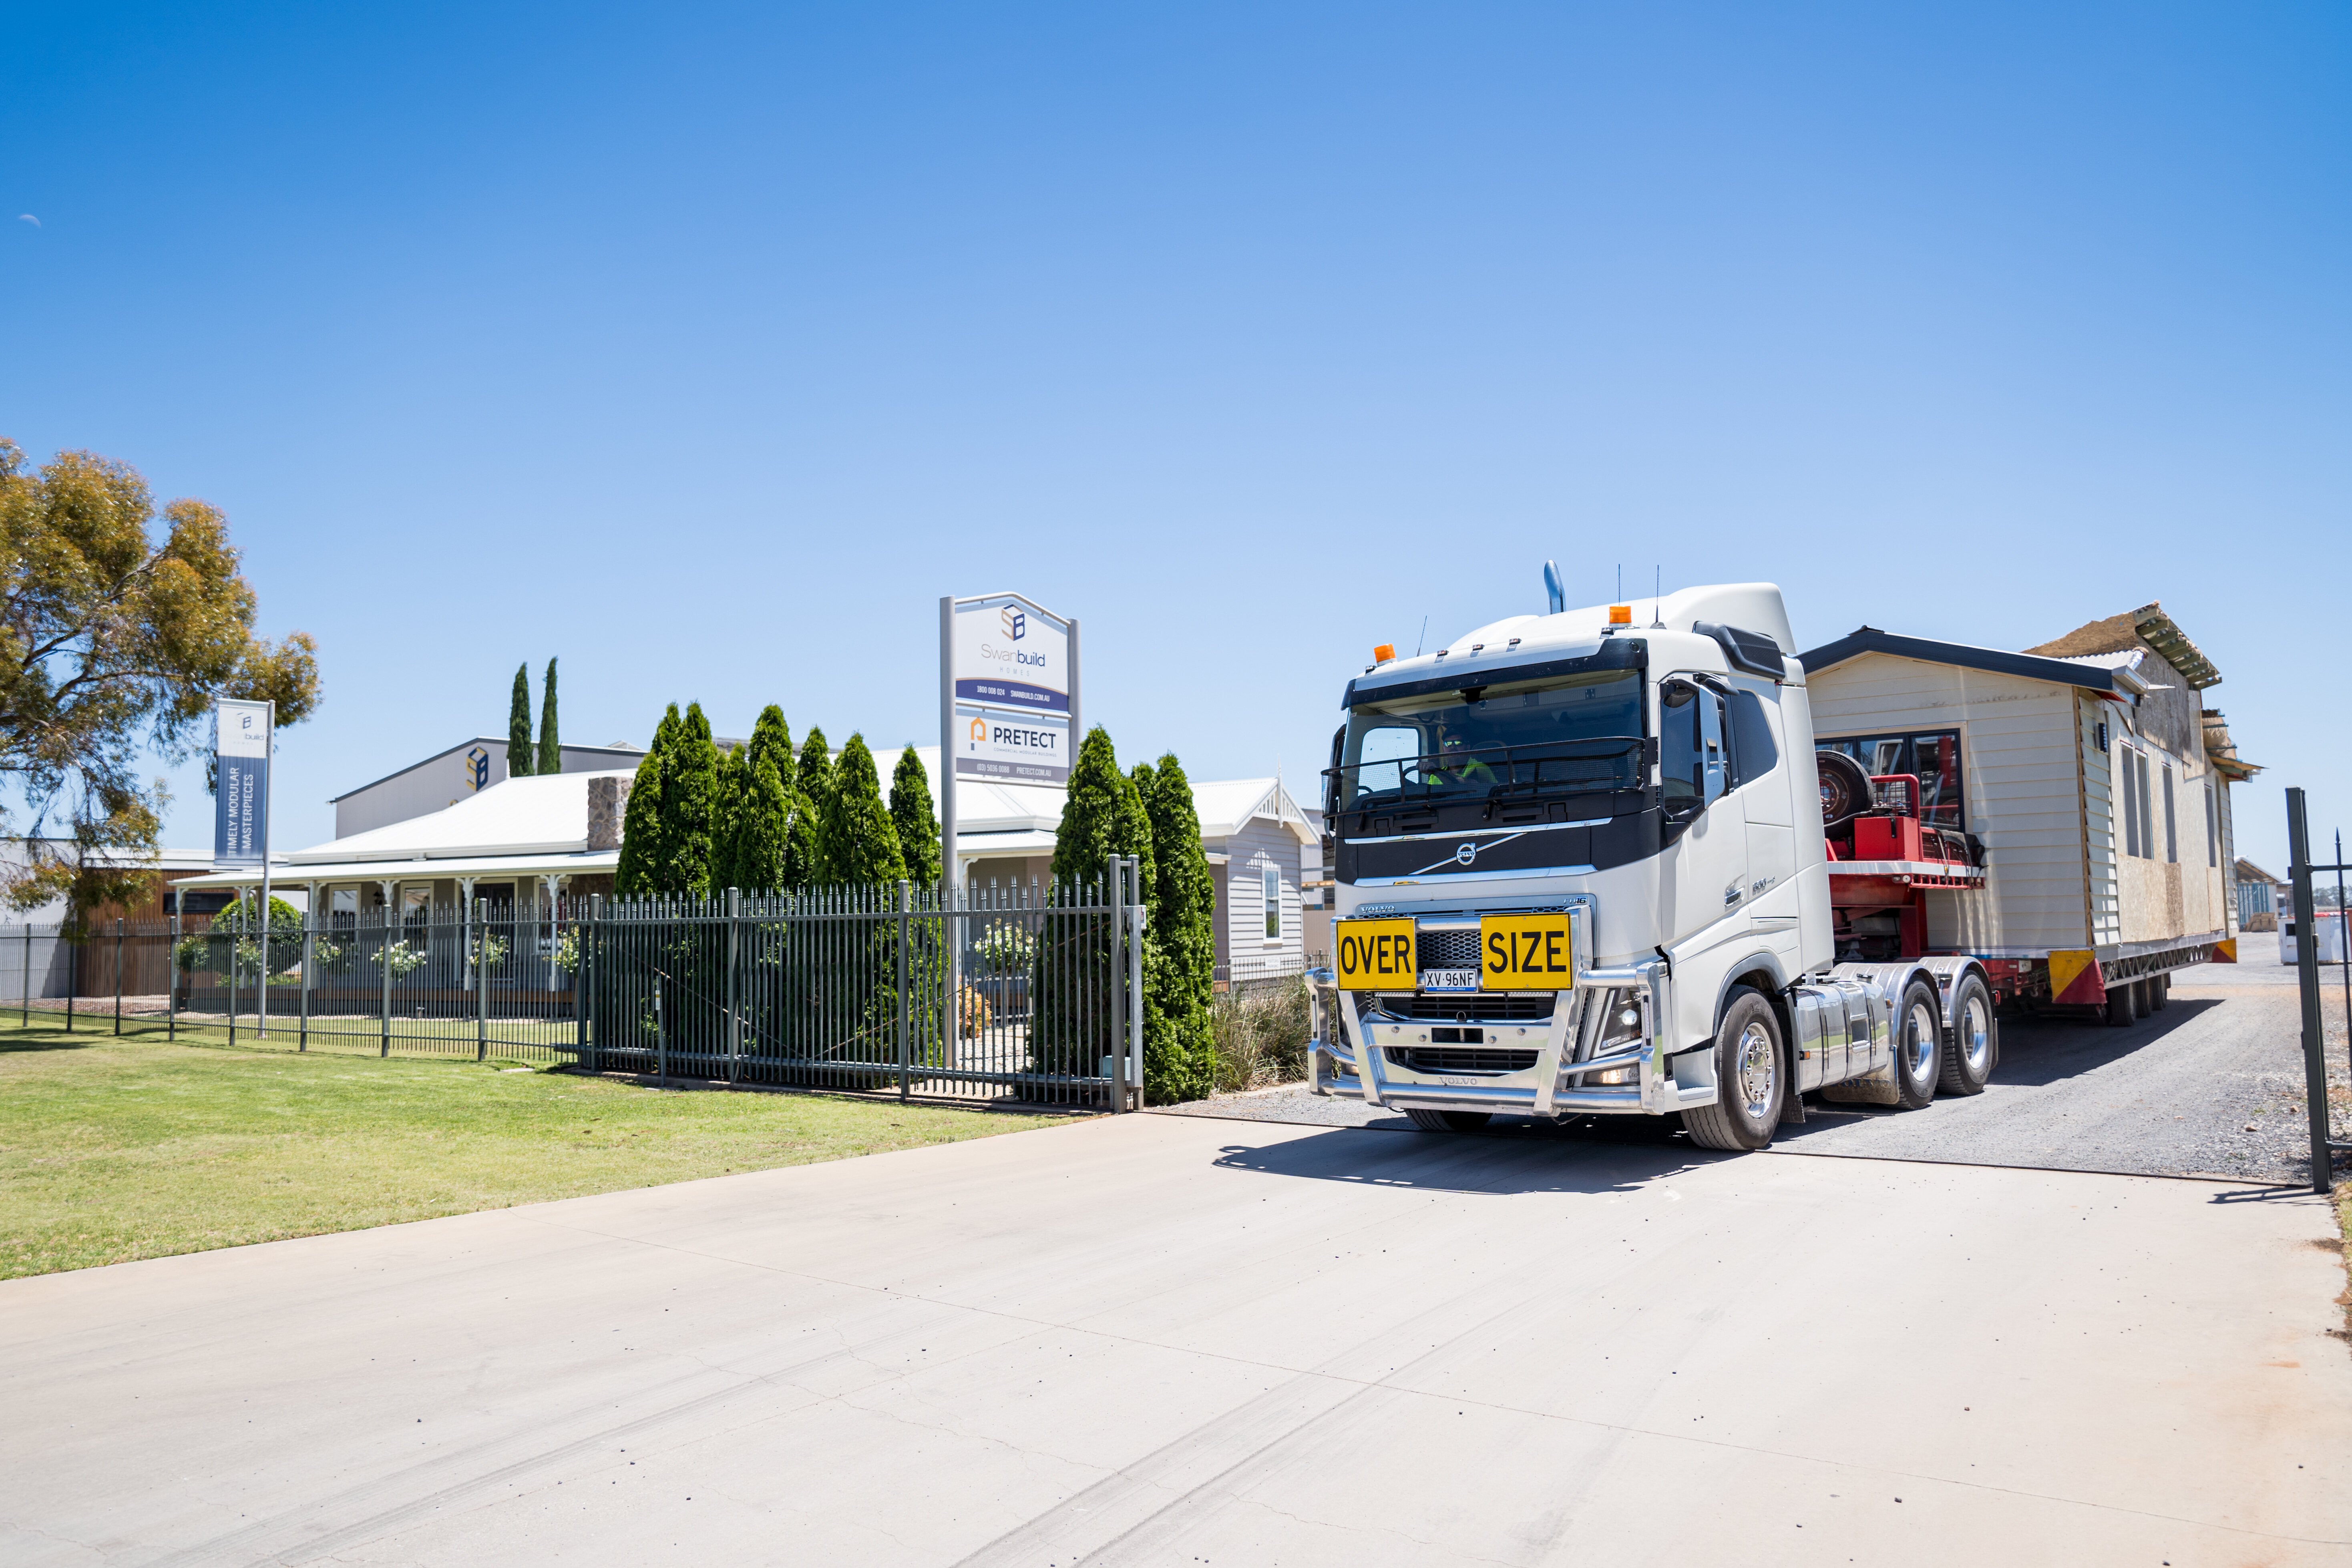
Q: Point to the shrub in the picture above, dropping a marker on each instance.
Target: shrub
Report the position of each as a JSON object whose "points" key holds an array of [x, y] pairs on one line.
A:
{"points": [[1262, 1035]]}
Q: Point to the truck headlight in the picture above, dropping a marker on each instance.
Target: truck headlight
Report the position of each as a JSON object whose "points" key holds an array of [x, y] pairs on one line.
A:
{"points": [[1622, 1022]]}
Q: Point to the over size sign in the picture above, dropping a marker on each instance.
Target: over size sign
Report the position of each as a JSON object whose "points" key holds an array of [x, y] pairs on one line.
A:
{"points": [[1377, 954]]}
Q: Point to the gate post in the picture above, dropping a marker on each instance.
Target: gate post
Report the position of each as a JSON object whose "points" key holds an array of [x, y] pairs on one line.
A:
{"points": [[2306, 967], [172, 975], [586, 980], [905, 997], [383, 956], [118, 974], [478, 928], [310, 934], [1131, 1098], [734, 1022]]}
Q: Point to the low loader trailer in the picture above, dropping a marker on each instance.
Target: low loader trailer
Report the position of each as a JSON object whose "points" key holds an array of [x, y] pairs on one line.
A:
{"points": [[1591, 866]]}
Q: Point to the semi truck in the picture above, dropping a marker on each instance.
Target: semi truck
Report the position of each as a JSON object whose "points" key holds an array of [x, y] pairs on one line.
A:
{"points": [[1589, 863]]}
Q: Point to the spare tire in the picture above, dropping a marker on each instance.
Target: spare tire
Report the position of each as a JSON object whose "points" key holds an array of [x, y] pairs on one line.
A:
{"points": [[1845, 787]]}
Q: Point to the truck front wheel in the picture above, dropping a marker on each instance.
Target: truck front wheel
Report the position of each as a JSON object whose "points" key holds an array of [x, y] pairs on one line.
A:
{"points": [[1449, 1121], [1747, 1081]]}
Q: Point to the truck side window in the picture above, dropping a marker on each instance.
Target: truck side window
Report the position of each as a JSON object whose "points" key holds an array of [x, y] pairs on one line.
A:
{"points": [[1753, 754], [1681, 755]]}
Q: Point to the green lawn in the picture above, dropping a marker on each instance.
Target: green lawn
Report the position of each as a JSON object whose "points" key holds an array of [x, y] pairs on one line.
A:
{"points": [[111, 1149]]}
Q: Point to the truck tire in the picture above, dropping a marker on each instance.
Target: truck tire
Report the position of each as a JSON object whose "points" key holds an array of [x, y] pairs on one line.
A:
{"points": [[2159, 992], [1918, 1046], [1972, 1044], [1749, 1078], [1449, 1121], [2122, 1007]]}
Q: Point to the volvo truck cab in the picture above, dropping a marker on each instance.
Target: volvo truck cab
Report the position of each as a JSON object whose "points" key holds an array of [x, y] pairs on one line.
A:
{"points": [[1580, 869]]}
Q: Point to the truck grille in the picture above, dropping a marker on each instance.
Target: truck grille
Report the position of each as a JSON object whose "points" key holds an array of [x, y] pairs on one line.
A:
{"points": [[1460, 1059], [1446, 949], [1473, 1007]]}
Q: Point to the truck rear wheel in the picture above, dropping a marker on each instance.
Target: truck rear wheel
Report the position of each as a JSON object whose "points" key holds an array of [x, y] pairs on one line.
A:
{"points": [[1918, 1041], [1449, 1121], [2123, 1007], [1972, 1044], [2159, 992], [1747, 1077]]}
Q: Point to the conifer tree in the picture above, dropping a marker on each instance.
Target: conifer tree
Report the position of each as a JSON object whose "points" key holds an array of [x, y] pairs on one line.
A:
{"points": [[918, 824], [519, 755], [756, 808], [813, 782], [1179, 1037], [550, 749], [688, 806], [1071, 1029], [860, 846], [641, 821]]}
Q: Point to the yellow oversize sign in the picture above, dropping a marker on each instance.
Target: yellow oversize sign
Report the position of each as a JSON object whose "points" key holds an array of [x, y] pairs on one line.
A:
{"points": [[1376, 954], [1525, 952]]}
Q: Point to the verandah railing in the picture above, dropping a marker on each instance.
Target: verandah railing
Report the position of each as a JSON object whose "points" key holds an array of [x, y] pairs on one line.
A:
{"points": [[1027, 994]]}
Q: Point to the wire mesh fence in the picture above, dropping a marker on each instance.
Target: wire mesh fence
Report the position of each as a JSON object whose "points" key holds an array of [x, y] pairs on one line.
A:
{"points": [[1026, 993]]}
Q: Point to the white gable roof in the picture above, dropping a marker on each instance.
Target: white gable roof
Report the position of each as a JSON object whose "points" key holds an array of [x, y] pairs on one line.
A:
{"points": [[1228, 805], [538, 815]]}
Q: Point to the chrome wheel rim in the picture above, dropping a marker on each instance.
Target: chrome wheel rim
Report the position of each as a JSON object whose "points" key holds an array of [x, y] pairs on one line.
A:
{"points": [[1920, 1050], [1976, 1037], [1758, 1068]]}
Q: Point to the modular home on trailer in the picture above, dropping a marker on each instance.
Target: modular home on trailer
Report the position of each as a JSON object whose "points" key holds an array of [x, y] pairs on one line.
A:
{"points": [[2093, 785]]}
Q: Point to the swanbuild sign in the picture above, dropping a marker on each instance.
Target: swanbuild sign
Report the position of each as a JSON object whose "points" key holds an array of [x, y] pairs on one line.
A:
{"points": [[1011, 653], [241, 804]]}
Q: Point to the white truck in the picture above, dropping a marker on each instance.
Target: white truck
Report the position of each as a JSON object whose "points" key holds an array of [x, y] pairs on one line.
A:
{"points": [[1580, 869]]}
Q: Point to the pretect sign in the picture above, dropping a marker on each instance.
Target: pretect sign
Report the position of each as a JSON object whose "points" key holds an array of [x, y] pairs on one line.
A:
{"points": [[1010, 654], [241, 803], [1027, 748]]}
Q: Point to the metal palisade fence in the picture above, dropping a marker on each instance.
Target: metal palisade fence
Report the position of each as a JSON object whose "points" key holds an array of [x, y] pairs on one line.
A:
{"points": [[1029, 993]]}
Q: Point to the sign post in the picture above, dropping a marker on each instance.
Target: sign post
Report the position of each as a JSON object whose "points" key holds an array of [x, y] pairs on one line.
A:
{"points": [[241, 812], [1009, 711]]}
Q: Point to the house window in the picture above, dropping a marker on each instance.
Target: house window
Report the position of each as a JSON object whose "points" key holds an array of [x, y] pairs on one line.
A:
{"points": [[2130, 791], [2172, 824], [2147, 814], [1933, 758], [1273, 904], [2212, 827]]}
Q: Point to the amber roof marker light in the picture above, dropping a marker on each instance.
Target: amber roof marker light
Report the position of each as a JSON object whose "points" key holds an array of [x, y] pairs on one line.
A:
{"points": [[1384, 653]]}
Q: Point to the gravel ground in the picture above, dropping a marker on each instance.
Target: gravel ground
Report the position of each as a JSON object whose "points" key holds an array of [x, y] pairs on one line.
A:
{"points": [[2212, 1086]]}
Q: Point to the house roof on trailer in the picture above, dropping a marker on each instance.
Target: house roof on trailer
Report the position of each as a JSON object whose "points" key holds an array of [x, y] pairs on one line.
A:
{"points": [[2095, 676], [2121, 633]]}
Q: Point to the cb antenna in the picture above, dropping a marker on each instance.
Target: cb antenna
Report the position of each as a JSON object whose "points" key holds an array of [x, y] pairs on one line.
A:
{"points": [[1621, 584], [1422, 638], [1657, 599]]}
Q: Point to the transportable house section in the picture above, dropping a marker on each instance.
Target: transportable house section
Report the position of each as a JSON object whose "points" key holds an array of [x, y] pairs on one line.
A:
{"points": [[2095, 784]]}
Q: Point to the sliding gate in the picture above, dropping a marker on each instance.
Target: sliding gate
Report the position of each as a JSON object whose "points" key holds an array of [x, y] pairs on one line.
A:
{"points": [[1031, 994]]}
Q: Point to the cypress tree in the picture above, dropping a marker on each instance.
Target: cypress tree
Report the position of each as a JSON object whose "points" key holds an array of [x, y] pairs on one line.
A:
{"points": [[641, 821], [518, 725], [813, 782], [860, 846], [690, 805], [757, 803], [1179, 1037], [1070, 1025], [918, 824], [550, 749]]}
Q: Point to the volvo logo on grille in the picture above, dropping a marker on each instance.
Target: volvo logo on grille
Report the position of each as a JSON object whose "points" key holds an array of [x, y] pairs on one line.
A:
{"points": [[1466, 854]]}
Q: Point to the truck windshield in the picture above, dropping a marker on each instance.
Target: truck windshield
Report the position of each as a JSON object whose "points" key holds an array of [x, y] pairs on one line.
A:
{"points": [[1561, 736]]}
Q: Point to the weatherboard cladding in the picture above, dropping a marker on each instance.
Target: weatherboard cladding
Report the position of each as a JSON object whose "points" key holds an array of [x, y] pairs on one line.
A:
{"points": [[1257, 844]]}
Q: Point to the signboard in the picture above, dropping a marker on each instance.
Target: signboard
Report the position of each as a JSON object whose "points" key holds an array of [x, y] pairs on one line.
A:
{"points": [[1010, 654], [241, 803], [477, 769], [1028, 748]]}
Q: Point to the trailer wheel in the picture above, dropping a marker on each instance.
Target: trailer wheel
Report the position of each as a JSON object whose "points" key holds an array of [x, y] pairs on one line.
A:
{"points": [[1747, 1077], [2123, 1009], [1972, 1044], [1449, 1121], [2159, 992], [1918, 1046]]}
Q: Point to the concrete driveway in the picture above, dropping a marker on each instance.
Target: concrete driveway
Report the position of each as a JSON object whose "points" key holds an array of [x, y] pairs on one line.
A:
{"points": [[1156, 1340]]}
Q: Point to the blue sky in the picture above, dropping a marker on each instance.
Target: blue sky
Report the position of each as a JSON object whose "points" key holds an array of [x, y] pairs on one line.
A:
{"points": [[707, 347]]}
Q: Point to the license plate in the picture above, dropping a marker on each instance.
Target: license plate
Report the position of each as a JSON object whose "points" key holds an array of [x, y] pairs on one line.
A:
{"points": [[1449, 980], [1375, 954], [1526, 952]]}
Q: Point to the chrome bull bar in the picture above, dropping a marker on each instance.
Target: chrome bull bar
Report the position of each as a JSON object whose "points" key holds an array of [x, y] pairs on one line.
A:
{"points": [[1349, 1057]]}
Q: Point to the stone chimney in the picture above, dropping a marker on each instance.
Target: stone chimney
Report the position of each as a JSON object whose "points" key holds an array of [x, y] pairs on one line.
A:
{"points": [[608, 803]]}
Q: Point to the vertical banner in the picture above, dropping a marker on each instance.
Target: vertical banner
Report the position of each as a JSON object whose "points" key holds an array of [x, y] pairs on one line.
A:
{"points": [[241, 804]]}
